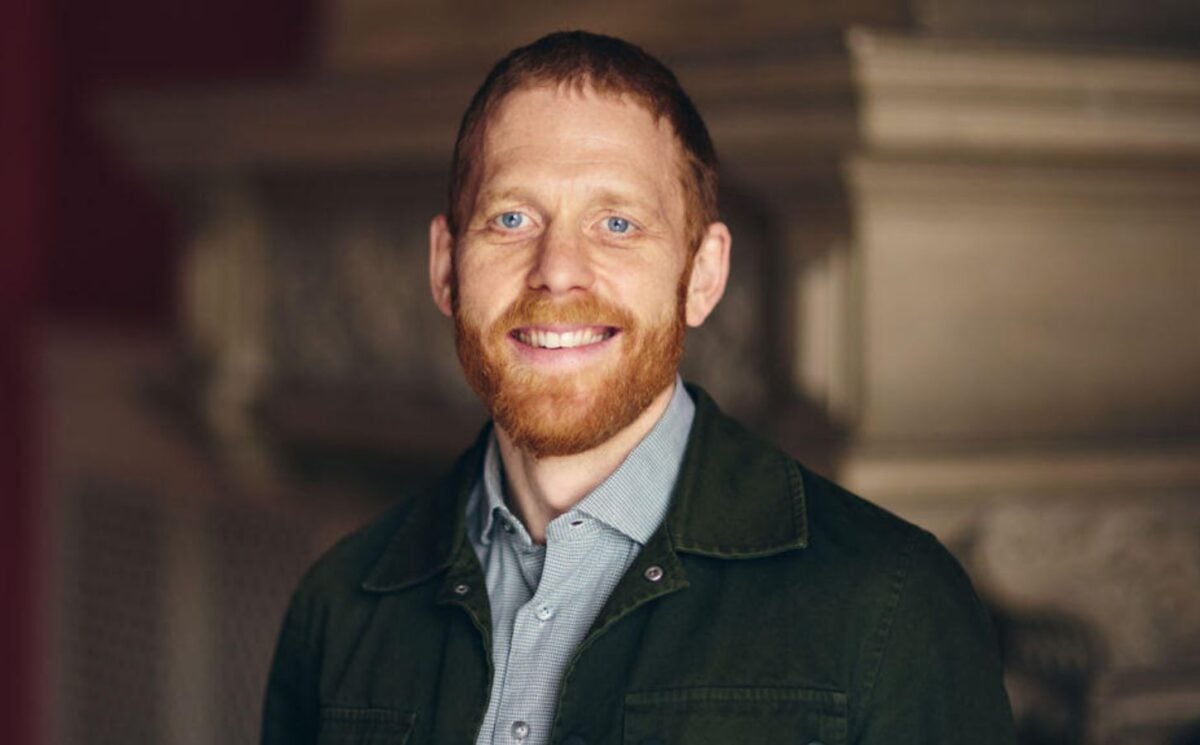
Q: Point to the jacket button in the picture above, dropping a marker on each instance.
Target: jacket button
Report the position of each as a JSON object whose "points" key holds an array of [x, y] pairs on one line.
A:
{"points": [[654, 573], [461, 589]]}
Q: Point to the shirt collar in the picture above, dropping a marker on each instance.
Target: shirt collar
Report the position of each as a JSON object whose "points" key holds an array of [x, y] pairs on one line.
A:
{"points": [[736, 498], [487, 499], [633, 500]]}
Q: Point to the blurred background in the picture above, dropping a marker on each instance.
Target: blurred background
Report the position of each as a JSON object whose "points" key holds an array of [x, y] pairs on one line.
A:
{"points": [[966, 284]]}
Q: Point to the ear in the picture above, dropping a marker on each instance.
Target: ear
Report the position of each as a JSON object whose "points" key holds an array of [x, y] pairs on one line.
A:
{"points": [[441, 263], [710, 270]]}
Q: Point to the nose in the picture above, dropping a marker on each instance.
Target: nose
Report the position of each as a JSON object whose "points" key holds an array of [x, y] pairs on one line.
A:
{"points": [[561, 264]]}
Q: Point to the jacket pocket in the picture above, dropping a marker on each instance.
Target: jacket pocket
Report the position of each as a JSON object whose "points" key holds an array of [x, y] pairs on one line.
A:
{"points": [[353, 726], [748, 716]]}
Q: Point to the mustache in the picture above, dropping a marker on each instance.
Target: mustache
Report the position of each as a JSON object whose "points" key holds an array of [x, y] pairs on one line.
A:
{"points": [[537, 309]]}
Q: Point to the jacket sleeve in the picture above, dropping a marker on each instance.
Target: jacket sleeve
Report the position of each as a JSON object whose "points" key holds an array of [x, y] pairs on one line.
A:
{"points": [[290, 711], [938, 676]]}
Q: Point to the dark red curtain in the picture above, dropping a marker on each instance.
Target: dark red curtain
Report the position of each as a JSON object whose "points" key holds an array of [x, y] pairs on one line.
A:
{"points": [[82, 239], [24, 189]]}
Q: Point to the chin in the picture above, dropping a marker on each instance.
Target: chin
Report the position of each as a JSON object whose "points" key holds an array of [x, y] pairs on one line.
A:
{"points": [[573, 417], [579, 406]]}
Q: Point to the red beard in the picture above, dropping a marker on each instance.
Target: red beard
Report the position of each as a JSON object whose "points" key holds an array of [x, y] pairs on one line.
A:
{"points": [[564, 414]]}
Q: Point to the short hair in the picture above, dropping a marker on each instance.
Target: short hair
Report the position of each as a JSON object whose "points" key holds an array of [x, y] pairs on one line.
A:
{"points": [[606, 65]]}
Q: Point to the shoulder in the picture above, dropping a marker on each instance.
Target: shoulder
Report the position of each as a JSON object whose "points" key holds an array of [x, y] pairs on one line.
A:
{"points": [[876, 547], [405, 545], [336, 577], [849, 523], [913, 619], [736, 489], [349, 559]]}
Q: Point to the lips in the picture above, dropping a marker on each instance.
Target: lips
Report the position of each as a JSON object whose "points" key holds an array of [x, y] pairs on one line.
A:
{"points": [[562, 338]]}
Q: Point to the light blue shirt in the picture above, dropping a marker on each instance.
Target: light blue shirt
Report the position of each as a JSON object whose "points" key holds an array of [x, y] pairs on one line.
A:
{"points": [[544, 598]]}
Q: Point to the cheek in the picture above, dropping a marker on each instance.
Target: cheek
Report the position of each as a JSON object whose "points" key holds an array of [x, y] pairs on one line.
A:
{"points": [[643, 285], [485, 288], [652, 299]]}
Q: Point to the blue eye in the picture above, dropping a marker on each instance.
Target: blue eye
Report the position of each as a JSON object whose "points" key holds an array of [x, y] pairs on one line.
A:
{"points": [[511, 220], [617, 224]]}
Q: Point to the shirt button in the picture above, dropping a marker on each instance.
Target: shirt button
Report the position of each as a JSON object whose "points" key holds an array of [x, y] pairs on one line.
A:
{"points": [[545, 613], [654, 573], [508, 527], [520, 730]]}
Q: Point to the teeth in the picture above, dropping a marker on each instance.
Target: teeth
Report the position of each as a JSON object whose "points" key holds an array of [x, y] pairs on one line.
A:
{"points": [[565, 340]]}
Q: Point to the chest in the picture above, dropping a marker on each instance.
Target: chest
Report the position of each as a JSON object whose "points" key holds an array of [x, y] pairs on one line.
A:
{"points": [[742, 654], [746, 652]]}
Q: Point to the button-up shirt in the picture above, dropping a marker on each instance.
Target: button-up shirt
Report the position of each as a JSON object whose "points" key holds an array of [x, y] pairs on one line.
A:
{"points": [[544, 598]]}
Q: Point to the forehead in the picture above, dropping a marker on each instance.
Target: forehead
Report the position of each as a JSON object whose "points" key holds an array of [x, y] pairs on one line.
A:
{"points": [[580, 131], [550, 103]]}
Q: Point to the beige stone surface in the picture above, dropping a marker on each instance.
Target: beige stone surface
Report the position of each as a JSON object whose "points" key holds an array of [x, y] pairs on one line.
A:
{"points": [[1031, 302]]}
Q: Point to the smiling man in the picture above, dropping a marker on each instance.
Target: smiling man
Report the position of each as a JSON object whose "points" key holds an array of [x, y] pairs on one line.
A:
{"points": [[615, 561]]}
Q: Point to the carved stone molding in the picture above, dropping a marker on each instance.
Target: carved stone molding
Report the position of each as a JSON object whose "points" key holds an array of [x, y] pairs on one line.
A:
{"points": [[769, 114], [942, 96], [389, 34]]}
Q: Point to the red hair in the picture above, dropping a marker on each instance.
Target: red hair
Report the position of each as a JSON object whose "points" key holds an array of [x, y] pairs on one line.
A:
{"points": [[605, 65]]}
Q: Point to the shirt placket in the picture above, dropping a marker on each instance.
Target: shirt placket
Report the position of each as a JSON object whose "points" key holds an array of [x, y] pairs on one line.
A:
{"points": [[525, 716]]}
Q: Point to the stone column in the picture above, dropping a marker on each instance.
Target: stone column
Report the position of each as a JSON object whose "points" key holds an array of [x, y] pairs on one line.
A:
{"points": [[1028, 284]]}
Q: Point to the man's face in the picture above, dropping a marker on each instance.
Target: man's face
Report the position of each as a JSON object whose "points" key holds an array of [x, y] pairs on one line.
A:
{"points": [[570, 273]]}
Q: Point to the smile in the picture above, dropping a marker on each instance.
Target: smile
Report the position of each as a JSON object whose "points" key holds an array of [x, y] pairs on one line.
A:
{"points": [[546, 339]]}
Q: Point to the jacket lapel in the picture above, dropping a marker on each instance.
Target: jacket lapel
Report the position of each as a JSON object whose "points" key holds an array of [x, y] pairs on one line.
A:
{"points": [[432, 533], [736, 498]]}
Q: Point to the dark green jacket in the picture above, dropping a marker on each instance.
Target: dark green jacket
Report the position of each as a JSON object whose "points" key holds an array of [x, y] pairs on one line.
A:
{"points": [[787, 611]]}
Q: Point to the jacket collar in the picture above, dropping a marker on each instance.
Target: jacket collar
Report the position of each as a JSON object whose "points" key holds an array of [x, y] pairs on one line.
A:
{"points": [[433, 531], [736, 498]]}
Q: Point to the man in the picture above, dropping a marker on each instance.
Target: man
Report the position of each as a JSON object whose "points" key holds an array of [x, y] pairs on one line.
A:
{"points": [[615, 561]]}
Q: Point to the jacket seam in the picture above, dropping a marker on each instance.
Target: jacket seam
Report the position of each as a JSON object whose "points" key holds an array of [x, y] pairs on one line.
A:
{"points": [[799, 502], [883, 634], [298, 621], [743, 552]]}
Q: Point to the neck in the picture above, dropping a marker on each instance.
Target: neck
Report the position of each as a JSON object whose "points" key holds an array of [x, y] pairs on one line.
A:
{"points": [[541, 489]]}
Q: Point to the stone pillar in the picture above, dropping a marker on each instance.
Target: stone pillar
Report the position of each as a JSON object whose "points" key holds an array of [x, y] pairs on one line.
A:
{"points": [[1028, 288]]}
